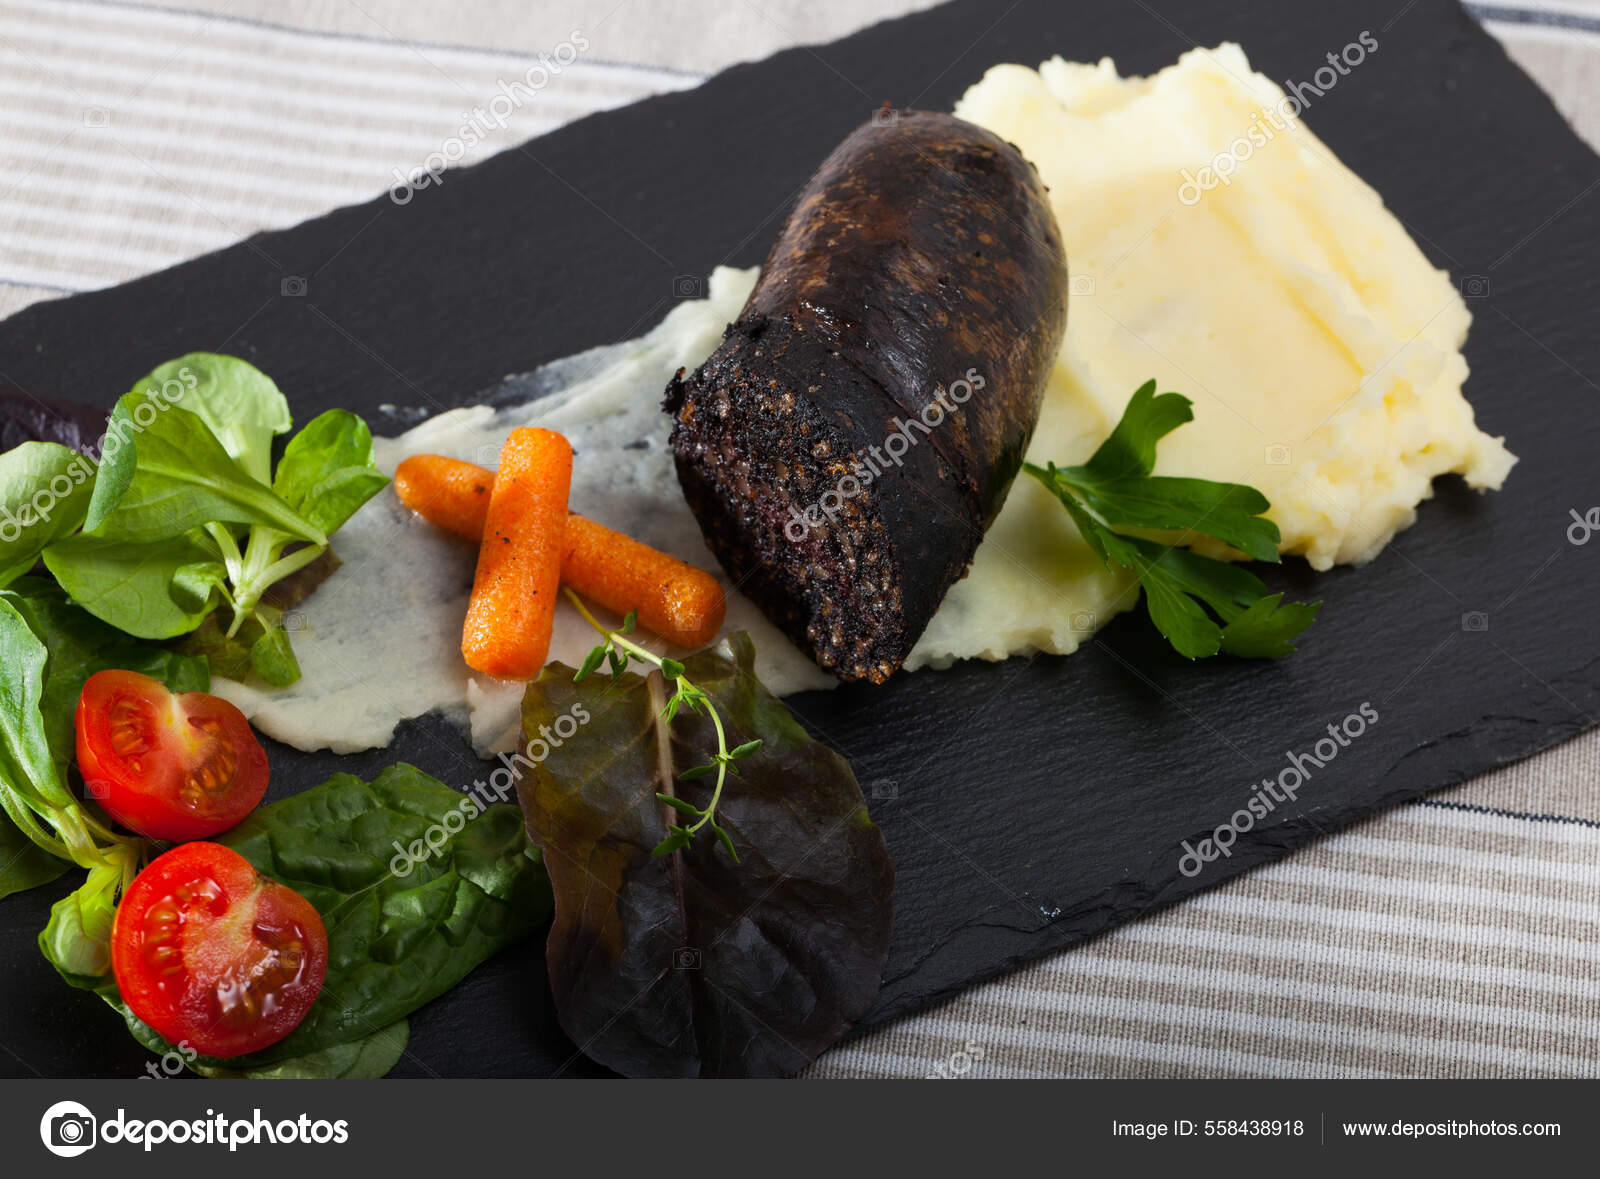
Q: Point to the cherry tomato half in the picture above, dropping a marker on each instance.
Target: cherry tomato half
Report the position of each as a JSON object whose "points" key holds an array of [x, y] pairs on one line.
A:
{"points": [[213, 955], [171, 767]]}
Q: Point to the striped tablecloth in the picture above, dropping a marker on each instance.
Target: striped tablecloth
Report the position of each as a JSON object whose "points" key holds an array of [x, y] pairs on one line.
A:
{"points": [[1453, 937]]}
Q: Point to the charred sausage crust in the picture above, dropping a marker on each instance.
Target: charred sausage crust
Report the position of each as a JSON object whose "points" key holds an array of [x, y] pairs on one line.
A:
{"points": [[920, 263]]}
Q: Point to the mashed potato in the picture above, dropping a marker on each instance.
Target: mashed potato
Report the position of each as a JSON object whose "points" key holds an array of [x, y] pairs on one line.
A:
{"points": [[1218, 246], [1321, 349]]}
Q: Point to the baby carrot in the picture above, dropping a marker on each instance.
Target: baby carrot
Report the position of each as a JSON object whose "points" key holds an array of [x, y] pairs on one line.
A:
{"points": [[682, 604], [445, 491], [512, 610]]}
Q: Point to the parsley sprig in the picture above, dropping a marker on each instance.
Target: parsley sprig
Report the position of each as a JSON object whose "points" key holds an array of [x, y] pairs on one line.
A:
{"points": [[617, 651], [1115, 489]]}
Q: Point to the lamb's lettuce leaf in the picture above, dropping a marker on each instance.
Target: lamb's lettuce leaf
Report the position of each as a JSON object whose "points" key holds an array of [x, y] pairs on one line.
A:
{"points": [[328, 469], [185, 514], [23, 863], [80, 645], [151, 589], [163, 472], [33, 791], [49, 649], [243, 406], [44, 494]]}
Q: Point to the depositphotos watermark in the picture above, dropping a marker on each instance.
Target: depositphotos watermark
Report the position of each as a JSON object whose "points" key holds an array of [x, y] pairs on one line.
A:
{"points": [[959, 1064], [872, 462], [38, 508], [1583, 526], [486, 792], [1284, 787], [69, 1129], [482, 121], [1267, 123]]}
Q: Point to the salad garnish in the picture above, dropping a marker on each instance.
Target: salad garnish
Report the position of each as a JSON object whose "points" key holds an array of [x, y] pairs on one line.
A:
{"points": [[619, 650]]}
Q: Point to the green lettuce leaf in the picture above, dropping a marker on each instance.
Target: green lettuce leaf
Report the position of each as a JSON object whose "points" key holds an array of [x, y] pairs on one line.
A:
{"points": [[44, 494], [78, 645], [148, 589], [242, 405], [163, 472], [23, 863], [74, 646], [328, 470]]}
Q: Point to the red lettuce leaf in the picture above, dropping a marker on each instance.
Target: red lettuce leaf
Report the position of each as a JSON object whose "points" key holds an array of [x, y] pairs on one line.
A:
{"points": [[25, 417], [692, 964]]}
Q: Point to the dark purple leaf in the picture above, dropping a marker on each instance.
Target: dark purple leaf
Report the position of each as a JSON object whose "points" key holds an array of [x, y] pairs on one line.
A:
{"points": [[691, 964], [25, 417]]}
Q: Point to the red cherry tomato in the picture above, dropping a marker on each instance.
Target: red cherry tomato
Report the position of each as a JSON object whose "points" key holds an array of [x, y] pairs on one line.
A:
{"points": [[169, 767], [215, 956]]}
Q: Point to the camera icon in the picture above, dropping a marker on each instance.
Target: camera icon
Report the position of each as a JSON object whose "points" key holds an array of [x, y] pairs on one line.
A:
{"points": [[1474, 620], [489, 455], [884, 115], [294, 620], [883, 789], [1277, 455], [293, 286], [1475, 286], [1083, 621], [96, 116], [686, 958], [1082, 286], [67, 1129], [98, 789], [688, 286]]}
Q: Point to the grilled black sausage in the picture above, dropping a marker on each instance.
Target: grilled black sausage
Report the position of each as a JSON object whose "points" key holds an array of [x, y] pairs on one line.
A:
{"points": [[856, 431]]}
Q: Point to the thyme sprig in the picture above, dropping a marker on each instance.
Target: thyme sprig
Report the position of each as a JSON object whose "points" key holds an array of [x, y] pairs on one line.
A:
{"points": [[617, 651]]}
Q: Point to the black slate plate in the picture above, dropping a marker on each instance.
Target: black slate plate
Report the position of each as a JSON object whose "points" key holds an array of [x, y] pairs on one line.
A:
{"points": [[1033, 804]]}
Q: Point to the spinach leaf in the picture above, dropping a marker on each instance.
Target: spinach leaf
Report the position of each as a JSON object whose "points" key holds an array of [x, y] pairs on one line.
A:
{"points": [[149, 589], [366, 1059], [242, 405], [404, 925], [690, 963], [163, 472], [416, 885], [44, 494], [328, 470]]}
